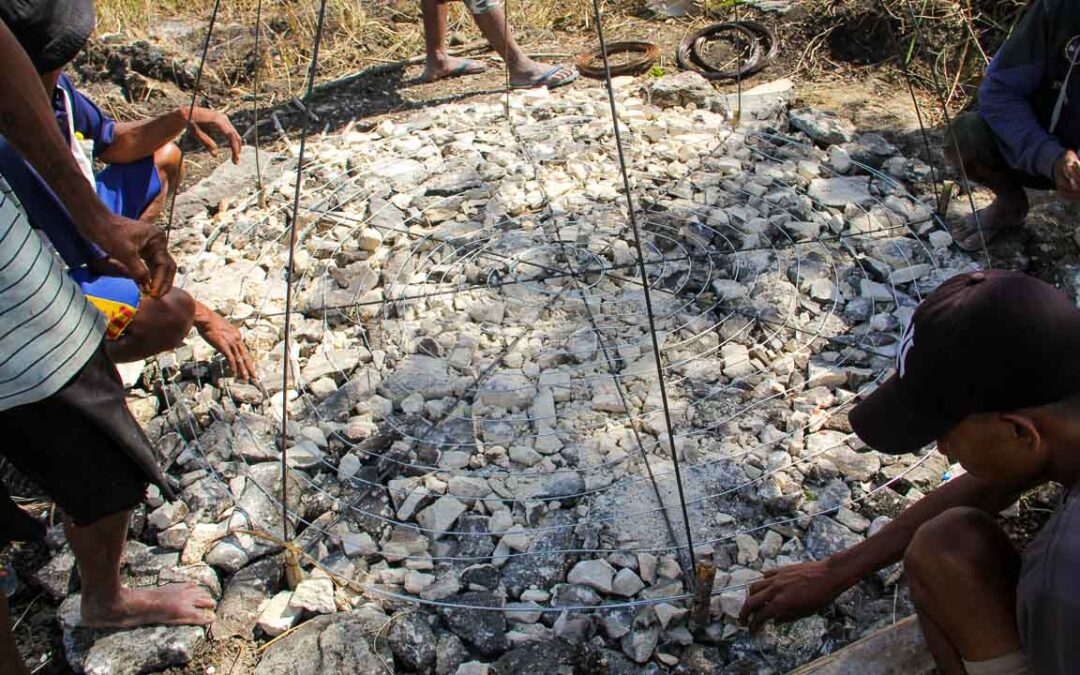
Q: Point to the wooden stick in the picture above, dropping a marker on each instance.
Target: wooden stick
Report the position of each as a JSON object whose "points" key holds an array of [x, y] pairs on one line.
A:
{"points": [[705, 574]]}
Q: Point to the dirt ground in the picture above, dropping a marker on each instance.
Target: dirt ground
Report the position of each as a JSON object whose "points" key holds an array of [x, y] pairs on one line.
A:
{"points": [[849, 76]]}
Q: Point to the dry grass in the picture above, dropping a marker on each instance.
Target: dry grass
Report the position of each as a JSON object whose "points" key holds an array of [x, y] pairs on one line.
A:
{"points": [[943, 43]]}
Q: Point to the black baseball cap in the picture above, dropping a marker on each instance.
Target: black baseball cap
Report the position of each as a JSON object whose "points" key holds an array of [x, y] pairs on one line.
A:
{"points": [[986, 341], [50, 31]]}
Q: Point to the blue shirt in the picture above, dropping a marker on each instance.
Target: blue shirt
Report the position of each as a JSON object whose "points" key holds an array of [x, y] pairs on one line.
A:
{"points": [[43, 209]]}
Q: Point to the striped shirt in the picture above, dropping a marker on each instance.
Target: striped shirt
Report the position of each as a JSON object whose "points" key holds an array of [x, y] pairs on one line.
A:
{"points": [[48, 330]]}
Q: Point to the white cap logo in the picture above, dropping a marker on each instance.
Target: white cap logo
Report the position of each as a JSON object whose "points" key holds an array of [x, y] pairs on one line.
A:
{"points": [[907, 341]]}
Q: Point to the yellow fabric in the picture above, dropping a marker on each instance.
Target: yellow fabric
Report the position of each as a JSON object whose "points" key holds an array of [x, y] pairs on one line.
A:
{"points": [[118, 315]]}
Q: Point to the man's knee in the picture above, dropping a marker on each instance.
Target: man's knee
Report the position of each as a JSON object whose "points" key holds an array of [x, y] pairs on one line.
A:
{"points": [[959, 544], [178, 315], [167, 160]]}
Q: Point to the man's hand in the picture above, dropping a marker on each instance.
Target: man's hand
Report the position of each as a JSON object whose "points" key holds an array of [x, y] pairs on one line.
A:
{"points": [[792, 592], [227, 340], [1067, 174], [203, 119], [134, 245]]}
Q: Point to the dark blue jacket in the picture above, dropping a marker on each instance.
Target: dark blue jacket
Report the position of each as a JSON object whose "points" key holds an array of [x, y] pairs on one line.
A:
{"points": [[1023, 86]]}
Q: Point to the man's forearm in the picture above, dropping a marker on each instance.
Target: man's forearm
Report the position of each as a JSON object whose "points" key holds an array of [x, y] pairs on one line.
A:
{"points": [[133, 141], [888, 545], [27, 122]]}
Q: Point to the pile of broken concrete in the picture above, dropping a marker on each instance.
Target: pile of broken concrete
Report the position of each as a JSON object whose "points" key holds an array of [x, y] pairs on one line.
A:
{"points": [[473, 396]]}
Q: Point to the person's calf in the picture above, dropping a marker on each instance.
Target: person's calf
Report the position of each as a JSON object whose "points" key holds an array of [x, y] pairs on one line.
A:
{"points": [[963, 571]]}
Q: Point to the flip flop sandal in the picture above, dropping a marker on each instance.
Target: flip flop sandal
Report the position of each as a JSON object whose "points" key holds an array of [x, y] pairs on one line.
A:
{"points": [[467, 67], [549, 80]]}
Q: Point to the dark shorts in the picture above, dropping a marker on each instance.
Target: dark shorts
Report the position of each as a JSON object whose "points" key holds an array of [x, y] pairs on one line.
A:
{"points": [[78, 446], [127, 189], [977, 143]]}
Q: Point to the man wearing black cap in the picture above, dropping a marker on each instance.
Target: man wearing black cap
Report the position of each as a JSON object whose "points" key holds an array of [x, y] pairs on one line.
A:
{"points": [[62, 412], [989, 367]]}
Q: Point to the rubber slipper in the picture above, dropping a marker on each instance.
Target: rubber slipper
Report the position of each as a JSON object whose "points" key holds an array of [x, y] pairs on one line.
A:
{"points": [[467, 67], [549, 80]]}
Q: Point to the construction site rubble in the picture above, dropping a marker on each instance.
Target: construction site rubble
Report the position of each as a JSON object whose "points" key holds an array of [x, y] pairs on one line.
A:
{"points": [[474, 408]]}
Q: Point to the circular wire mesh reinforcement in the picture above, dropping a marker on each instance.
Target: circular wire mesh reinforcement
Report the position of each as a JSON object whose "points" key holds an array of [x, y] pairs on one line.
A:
{"points": [[527, 329]]}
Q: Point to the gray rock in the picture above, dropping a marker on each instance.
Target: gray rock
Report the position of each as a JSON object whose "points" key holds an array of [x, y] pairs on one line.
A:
{"points": [[239, 609], [256, 509], [449, 654], [224, 182], [440, 516], [573, 595], [767, 101], [523, 612], [277, 615], [840, 191], [596, 574], [822, 127], [123, 652], [826, 537], [447, 184], [617, 622], [54, 577], [413, 642], [511, 391], [871, 149], [908, 274], [551, 656], [484, 630], [540, 568], [681, 89], [142, 650], [626, 583], [314, 596], [640, 643], [858, 466], [335, 643], [426, 374], [574, 628], [839, 159]]}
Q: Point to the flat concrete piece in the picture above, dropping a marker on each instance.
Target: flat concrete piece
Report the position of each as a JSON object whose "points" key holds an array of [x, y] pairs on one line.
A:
{"points": [[896, 650]]}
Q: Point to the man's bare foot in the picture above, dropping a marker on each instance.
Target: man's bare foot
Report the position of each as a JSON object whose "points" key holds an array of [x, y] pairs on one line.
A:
{"points": [[1002, 214], [176, 604], [529, 73], [451, 66]]}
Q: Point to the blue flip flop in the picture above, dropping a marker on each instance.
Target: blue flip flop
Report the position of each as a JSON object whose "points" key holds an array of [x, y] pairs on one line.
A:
{"points": [[547, 79], [467, 67]]}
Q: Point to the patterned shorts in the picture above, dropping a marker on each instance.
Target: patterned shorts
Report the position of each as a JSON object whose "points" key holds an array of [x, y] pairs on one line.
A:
{"points": [[481, 6], [116, 297]]}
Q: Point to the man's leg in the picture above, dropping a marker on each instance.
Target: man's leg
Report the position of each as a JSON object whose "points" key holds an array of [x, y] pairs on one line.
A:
{"points": [[983, 163], [99, 547], [167, 161], [160, 325], [523, 70], [439, 64], [963, 573], [11, 660]]}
